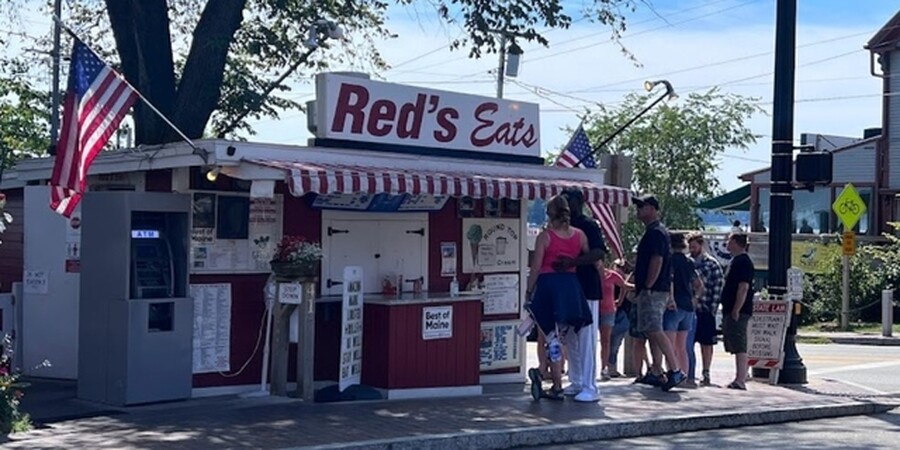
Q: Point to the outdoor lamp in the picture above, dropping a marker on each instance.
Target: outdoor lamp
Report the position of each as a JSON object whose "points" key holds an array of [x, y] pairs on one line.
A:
{"points": [[513, 59], [670, 91], [213, 174]]}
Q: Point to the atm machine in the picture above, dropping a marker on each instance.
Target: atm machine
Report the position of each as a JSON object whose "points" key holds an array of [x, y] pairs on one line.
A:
{"points": [[135, 312]]}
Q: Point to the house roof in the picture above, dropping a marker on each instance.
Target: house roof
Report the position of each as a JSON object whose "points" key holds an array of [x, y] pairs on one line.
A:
{"points": [[888, 35], [749, 175]]}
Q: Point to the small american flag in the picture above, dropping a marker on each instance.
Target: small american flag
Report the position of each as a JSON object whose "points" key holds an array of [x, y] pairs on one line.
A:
{"points": [[580, 147], [97, 99]]}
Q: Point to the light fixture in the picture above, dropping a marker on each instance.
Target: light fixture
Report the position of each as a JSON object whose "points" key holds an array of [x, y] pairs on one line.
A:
{"points": [[670, 91], [331, 30], [513, 60], [212, 174]]}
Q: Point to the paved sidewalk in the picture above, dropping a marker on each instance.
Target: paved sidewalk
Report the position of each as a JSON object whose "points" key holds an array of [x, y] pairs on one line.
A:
{"points": [[491, 421], [851, 338]]}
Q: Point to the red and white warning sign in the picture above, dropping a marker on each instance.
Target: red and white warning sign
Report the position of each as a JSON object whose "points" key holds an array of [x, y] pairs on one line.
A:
{"points": [[766, 332]]}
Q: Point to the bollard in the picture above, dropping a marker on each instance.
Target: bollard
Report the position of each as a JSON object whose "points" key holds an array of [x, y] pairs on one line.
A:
{"points": [[887, 313]]}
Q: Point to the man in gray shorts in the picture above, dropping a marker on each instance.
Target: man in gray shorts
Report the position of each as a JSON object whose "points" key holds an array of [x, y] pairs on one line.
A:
{"points": [[653, 282]]}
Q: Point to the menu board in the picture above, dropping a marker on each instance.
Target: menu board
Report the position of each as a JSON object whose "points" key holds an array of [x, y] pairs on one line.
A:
{"points": [[499, 345], [490, 245], [501, 294], [212, 254], [212, 327]]}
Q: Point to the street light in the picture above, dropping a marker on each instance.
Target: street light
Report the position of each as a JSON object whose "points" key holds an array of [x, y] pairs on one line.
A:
{"points": [[648, 85]]}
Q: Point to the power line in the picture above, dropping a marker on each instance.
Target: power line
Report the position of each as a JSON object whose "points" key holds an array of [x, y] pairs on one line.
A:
{"points": [[554, 46]]}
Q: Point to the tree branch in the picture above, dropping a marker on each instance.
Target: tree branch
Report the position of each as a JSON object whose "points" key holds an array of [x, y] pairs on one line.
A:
{"points": [[255, 106]]}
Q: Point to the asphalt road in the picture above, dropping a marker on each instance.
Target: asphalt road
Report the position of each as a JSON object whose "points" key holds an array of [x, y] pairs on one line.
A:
{"points": [[866, 370], [863, 432]]}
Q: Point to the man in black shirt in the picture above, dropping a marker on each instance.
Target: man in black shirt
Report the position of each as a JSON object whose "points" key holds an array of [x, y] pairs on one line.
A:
{"points": [[737, 306], [582, 347], [653, 282]]}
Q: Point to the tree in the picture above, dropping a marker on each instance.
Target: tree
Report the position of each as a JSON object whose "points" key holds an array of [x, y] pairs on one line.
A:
{"points": [[24, 120], [219, 62], [676, 148]]}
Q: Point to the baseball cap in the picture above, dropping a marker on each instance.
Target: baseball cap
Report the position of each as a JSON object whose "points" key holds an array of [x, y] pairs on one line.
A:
{"points": [[648, 199]]}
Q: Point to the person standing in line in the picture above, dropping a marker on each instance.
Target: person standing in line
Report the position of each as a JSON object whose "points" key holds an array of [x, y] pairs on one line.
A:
{"points": [[653, 280], [736, 227], [713, 280], [557, 303], [686, 286], [582, 346], [608, 315], [622, 324], [737, 306]]}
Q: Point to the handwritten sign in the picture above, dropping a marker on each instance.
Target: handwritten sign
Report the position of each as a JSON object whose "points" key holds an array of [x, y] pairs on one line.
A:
{"points": [[502, 294], [490, 245], [765, 334], [352, 326], [437, 322], [290, 293], [36, 282]]}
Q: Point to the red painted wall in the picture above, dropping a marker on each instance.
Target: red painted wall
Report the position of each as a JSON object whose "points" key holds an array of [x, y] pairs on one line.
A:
{"points": [[158, 180], [12, 249], [401, 359]]}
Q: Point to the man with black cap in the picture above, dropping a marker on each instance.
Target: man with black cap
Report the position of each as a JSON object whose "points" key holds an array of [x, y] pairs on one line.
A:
{"points": [[582, 348], [652, 282]]}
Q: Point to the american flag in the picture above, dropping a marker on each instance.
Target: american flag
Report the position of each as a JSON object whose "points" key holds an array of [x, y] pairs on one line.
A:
{"points": [[97, 99], [580, 147]]}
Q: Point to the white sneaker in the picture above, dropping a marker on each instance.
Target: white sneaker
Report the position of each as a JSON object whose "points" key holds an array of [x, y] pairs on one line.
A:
{"points": [[572, 390], [586, 396]]}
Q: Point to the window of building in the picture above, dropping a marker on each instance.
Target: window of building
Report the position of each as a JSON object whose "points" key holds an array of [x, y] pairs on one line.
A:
{"points": [[812, 211], [762, 215]]}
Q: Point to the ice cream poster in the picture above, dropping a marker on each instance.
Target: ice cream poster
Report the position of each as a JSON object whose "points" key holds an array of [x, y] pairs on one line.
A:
{"points": [[490, 245]]}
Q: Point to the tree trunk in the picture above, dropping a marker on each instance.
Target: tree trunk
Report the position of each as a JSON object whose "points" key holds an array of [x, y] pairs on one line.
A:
{"points": [[201, 82], [141, 30]]}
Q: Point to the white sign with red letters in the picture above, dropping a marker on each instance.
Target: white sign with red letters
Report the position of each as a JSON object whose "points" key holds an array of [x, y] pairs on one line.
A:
{"points": [[358, 109]]}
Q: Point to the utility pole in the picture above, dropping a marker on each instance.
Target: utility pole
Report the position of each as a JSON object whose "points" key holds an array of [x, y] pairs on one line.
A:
{"points": [[781, 200], [54, 88], [501, 68]]}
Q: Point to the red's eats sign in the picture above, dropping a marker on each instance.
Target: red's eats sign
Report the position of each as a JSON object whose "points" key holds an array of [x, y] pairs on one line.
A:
{"points": [[357, 109]]}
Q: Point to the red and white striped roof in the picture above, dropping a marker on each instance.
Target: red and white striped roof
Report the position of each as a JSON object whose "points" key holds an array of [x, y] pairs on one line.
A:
{"points": [[319, 178]]}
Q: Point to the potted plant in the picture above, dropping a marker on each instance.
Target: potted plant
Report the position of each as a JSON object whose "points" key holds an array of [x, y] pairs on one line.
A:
{"points": [[296, 258]]}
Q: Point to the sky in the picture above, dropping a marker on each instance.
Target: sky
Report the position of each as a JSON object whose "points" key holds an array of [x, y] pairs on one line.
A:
{"points": [[694, 44]]}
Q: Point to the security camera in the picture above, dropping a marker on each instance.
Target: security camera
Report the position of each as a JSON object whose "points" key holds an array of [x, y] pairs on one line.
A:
{"points": [[312, 42]]}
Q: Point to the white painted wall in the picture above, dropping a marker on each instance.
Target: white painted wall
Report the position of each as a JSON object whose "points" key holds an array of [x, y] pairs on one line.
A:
{"points": [[49, 321]]}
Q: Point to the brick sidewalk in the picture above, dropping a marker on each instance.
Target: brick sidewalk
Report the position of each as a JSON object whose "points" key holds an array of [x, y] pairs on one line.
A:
{"points": [[279, 423]]}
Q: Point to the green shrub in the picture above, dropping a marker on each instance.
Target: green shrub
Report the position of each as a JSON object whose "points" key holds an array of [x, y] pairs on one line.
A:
{"points": [[874, 268]]}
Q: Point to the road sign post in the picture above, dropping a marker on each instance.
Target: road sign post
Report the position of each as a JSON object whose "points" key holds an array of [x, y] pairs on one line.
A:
{"points": [[849, 207]]}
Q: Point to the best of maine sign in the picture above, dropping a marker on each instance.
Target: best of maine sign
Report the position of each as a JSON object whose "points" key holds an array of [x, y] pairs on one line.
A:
{"points": [[357, 109]]}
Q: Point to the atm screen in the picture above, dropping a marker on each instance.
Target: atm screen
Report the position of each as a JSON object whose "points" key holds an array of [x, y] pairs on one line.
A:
{"points": [[147, 252]]}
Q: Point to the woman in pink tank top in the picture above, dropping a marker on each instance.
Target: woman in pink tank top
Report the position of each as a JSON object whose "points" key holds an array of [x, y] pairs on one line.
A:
{"points": [[557, 301]]}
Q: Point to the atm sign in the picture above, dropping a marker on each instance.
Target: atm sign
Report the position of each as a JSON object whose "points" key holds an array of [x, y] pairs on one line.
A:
{"points": [[144, 234]]}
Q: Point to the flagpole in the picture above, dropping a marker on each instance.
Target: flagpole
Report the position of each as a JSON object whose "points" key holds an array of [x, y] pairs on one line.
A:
{"points": [[203, 153]]}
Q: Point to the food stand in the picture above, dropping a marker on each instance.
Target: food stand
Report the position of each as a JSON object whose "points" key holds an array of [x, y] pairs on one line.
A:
{"points": [[413, 187]]}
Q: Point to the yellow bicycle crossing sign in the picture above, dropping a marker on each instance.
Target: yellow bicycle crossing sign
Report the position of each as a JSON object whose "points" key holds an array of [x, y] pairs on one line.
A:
{"points": [[849, 207]]}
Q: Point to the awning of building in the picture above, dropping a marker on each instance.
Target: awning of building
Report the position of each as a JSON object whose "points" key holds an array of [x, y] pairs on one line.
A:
{"points": [[320, 178], [736, 200]]}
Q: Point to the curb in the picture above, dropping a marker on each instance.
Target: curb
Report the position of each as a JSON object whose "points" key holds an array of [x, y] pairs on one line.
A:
{"points": [[860, 340], [572, 433]]}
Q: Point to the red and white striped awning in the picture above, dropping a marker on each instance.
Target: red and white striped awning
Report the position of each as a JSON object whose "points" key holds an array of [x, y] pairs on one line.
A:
{"points": [[304, 178]]}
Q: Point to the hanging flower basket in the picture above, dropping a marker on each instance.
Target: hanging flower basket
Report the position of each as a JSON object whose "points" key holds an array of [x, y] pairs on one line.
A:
{"points": [[296, 259]]}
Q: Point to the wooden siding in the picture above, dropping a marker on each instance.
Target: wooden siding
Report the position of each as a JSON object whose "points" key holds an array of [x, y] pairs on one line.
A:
{"points": [[12, 248]]}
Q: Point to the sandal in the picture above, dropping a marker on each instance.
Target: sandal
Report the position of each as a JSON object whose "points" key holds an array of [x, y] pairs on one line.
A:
{"points": [[553, 394], [736, 385]]}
